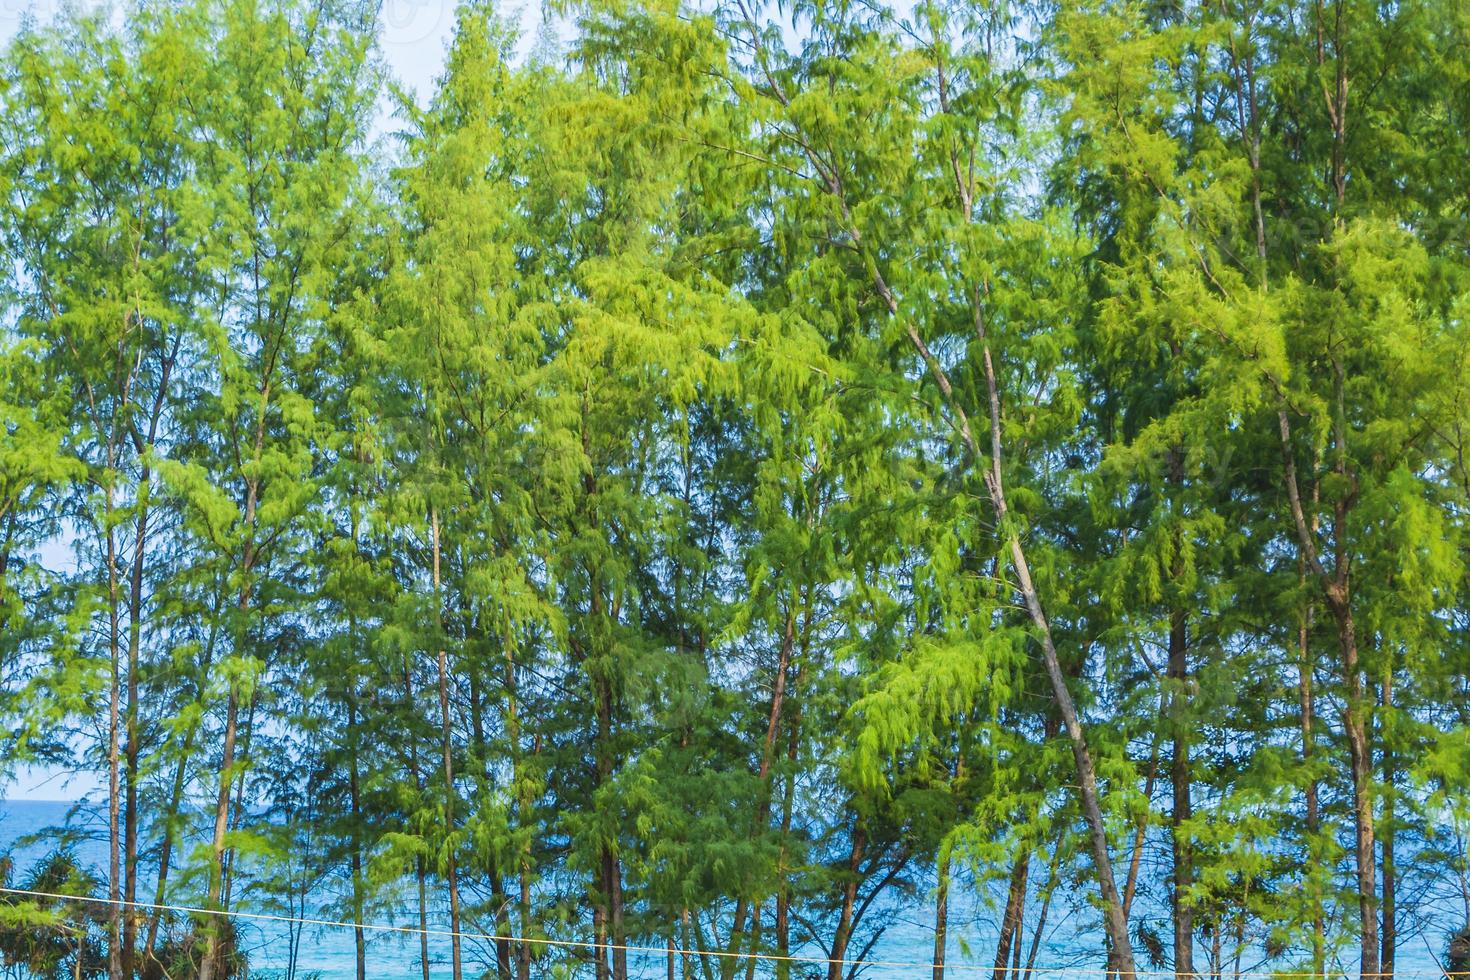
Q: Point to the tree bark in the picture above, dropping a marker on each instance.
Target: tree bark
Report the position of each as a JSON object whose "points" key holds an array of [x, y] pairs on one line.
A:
{"points": [[1180, 777], [1313, 806], [849, 897], [114, 698], [446, 736], [131, 749], [1390, 869], [359, 937], [1337, 591], [1010, 924], [524, 805], [788, 798], [420, 872], [941, 914], [176, 794], [1051, 884], [731, 963]]}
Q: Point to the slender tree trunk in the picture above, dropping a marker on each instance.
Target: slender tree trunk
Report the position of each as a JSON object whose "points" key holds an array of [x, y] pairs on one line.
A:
{"points": [[1312, 801], [422, 874], [524, 805], [1120, 951], [1010, 923], [523, 949], [176, 792], [1337, 591], [1115, 923], [1361, 762], [788, 801], [755, 941], [1181, 777], [688, 973], [941, 913], [610, 903], [487, 780], [731, 962], [618, 930], [1390, 869], [447, 739], [420, 871], [114, 742], [599, 931], [1016, 943], [207, 966], [1053, 872], [237, 810], [1140, 829], [130, 804], [849, 897], [1313, 806], [135, 639], [354, 779]]}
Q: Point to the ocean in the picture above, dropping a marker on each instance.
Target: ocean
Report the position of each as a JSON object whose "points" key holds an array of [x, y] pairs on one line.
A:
{"points": [[1071, 947]]}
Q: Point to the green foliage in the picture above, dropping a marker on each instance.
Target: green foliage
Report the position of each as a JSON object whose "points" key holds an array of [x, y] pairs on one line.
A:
{"points": [[669, 490]]}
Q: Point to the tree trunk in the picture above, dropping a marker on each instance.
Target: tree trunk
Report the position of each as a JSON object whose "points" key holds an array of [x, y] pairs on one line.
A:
{"points": [[420, 872], [1180, 776], [207, 966], [135, 640], [1313, 806], [130, 804], [1390, 870], [788, 799], [755, 941], [1051, 884], [447, 740], [1361, 761], [359, 937], [599, 932], [941, 914], [524, 805], [1010, 923], [114, 759], [731, 962], [1140, 830], [487, 780], [1337, 591], [849, 897], [176, 793], [617, 929], [237, 810]]}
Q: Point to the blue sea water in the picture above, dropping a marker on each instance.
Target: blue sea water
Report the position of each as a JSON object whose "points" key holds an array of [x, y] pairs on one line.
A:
{"points": [[325, 953]]}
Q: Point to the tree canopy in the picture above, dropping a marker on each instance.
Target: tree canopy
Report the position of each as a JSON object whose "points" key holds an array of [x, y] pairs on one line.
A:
{"points": [[718, 478]]}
